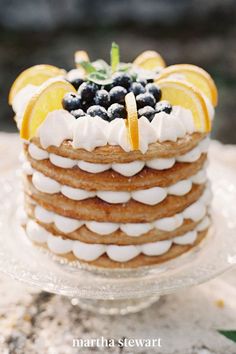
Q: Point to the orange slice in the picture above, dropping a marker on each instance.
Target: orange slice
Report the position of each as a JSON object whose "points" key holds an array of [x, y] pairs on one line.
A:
{"points": [[132, 120], [36, 75], [149, 60], [81, 55], [196, 76], [180, 93], [48, 99]]}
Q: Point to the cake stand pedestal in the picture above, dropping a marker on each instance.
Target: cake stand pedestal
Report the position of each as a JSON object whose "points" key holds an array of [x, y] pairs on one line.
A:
{"points": [[120, 291], [115, 307]]}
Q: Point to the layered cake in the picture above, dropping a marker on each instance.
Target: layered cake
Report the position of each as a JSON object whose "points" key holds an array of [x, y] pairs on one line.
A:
{"points": [[115, 157]]}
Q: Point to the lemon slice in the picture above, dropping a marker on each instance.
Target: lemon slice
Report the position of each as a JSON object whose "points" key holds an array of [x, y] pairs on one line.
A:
{"points": [[36, 75], [132, 120], [180, 93], [47, 99], [81, 55], [196, 76], [149, 60]]}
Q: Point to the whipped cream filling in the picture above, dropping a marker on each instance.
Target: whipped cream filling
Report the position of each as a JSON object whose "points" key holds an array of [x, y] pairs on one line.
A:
{"points": [[91, 252], [91, 132], [125, 169], [195, 212], [150, 196]]}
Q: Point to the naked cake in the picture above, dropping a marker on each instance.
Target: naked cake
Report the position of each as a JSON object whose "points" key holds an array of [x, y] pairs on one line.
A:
{"points": [[115, 158]]}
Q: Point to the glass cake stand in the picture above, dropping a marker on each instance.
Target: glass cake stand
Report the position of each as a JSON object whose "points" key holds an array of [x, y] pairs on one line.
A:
{"points": [[120, 291]]}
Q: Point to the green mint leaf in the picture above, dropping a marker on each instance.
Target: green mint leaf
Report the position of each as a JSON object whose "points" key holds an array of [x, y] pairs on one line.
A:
{"points": [[102, 66], [231, 334], [88, 67], [115, 56], [99, 78]]}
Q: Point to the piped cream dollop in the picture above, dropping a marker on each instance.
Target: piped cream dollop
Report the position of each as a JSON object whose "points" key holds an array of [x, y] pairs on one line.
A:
{"points": [[57, 127], [89, 133]]}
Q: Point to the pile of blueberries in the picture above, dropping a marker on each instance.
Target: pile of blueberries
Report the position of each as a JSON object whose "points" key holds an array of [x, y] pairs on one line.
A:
{"points": [[108, 102]]}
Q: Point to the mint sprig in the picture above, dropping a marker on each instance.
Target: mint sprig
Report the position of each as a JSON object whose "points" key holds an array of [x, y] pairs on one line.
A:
{"points": [[100, 72], [115, 56], [88, 67], [102, 66], [99, 78]]}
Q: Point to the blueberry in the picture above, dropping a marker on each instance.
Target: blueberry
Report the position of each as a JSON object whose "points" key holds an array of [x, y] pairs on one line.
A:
{"points": [[78, 113], [108, 87], [71, 101], [145, 99], [102, 98], [116, 110], [86, 105], [154, 90], [148, 112], [97, 111], [87, 91], [163, 106], [150, 81], [122, 79], [143, 82], [76, 82], [117, 94], [137, 88]]}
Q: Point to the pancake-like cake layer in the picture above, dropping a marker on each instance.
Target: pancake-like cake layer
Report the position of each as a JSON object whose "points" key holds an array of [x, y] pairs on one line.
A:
{"points": [[112, 154], [117, 237], [99, 210], [142, 260], [113, 181], [104, 260]]}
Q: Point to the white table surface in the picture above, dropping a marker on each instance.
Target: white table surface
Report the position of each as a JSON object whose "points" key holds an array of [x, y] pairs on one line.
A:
{"points": [[36, 322]]}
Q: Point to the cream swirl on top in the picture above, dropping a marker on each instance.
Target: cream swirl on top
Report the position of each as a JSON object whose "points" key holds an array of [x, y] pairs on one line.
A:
{"points": [[91, 132], [21, 100]]}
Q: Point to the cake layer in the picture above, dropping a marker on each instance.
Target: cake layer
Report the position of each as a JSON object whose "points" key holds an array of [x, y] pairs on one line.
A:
{"points": [[142, 260], [96, 209], [149, 196], [121, 254], [114, 233], [112, 154], [125, 169], [113, 181]]}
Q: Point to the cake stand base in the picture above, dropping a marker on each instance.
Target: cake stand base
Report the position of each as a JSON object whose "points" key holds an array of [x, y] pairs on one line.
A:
{"points": [[115, 307]]}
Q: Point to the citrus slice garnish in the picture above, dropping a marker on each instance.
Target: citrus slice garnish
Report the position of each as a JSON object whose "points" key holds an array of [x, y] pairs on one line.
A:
{"points": [[132, 120], [81, 55], [149, 60], [36, 75], [194, 75], [47, 99], [180, 93]]}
